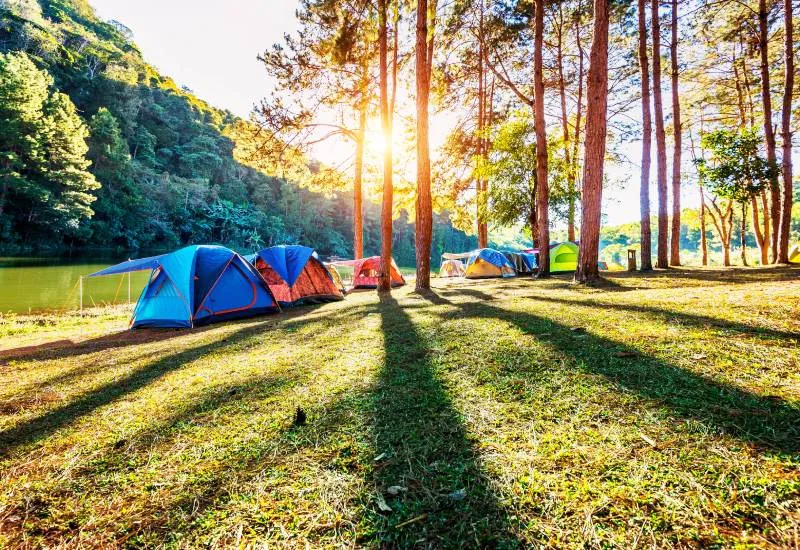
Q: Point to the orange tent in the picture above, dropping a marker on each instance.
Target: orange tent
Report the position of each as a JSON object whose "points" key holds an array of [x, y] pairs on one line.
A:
{"points": [[295, 275]]}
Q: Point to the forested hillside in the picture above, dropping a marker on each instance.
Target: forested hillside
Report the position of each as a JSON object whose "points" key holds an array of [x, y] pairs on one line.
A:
{"points": [[101, 150]]}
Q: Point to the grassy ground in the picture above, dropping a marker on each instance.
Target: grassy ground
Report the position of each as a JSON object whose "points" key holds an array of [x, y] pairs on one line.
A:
{"points": [[654, 411]]}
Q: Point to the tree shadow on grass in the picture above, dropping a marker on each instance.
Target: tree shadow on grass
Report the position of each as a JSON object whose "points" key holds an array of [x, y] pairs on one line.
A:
{"points": [[667, 315], [425, 447], [37, 428], [765, 422], [728, 275]]}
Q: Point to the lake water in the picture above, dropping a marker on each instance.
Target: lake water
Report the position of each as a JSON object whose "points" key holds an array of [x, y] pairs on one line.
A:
{"points": [[52, 284]]}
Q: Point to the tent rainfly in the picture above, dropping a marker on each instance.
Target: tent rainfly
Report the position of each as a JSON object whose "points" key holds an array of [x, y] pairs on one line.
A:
{"points": [[488, 263], [295, 275], [195, 286], [524, 263]]}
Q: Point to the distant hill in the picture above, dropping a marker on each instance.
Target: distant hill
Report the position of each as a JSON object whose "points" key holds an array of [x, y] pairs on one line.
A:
{"points": [[170, 166]]}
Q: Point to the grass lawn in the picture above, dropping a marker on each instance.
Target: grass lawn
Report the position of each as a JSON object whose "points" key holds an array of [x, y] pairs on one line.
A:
{"points": [[654, 411]]}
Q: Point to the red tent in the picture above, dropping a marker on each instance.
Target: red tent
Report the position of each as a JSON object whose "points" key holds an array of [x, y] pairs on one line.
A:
{"points": [[367, 270]]}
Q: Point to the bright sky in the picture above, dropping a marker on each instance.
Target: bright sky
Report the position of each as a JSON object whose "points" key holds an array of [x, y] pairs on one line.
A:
{"points": [[211, 47]]}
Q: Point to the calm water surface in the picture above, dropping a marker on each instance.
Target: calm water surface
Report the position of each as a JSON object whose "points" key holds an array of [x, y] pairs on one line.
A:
{"points": [[51, 284]]}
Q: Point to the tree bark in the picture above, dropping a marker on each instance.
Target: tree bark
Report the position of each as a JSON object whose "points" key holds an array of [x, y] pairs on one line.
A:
{"points": [[769, 134], [385, 282], [675, 235], [743, 233], [661, 144], [480, 202], [644, 186], [758, 232], [358, 210], [424, 213], [703, 239], [595, 147], [542, 187], [573, 173], [786, 130], [565, 125]]}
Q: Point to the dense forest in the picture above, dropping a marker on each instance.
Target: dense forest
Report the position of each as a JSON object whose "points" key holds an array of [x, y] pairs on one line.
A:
{"points": [[100, 150]]}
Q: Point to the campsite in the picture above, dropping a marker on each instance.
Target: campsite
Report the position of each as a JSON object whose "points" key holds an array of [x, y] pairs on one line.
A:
{"points": [[399, 274]]}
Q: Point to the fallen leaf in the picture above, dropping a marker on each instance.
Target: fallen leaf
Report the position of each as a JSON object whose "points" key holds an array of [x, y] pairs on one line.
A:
{"points": [[395, 490], [647, 440], [382, 506], [379, 457], [698, 356]]}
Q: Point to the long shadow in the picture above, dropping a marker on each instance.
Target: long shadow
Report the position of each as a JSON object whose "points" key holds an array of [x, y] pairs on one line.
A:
{"points": [[62, 349], [736, 275], [766, 422], [424, 447], [41, 426], [691, 319]]}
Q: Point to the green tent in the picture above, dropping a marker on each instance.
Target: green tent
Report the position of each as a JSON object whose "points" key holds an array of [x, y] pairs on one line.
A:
{"points": [[563, 257]]}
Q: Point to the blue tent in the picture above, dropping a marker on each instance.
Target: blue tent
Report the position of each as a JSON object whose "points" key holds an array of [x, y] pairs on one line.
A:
{"points": [[488, 262], [197, 285], [523, 262], [295, 275]]}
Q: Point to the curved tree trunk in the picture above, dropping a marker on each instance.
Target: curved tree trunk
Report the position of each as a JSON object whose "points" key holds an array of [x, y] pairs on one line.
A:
{"points": [[769, 133], [542, 187], [595, 147], [384, 282], [662, 260], [786, 130], [675, 234], [424, 212], [644, 186]]}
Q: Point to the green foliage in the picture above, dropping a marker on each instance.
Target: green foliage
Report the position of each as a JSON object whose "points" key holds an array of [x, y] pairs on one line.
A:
{"points": [[45, 188], [735, 170], [173, 169], [512, 173]]}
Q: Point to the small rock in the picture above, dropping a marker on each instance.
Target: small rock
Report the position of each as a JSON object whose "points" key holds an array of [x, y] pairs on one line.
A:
{"points": [[698, 356], [395, 490], [458, 495]]}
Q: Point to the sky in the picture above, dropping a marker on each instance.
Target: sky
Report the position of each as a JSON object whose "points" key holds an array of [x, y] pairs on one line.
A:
{"points": [[211, 47]]}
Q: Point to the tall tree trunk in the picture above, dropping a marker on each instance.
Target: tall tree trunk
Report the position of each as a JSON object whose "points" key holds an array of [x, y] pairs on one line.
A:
{"points": [[480, 202], [385, 282], [358, 210], [769, 134], [542, 187], [573, 173], [743, 233], [675, 235], [703, 239], [565, 123], [786, 130], [758, 232], [424, 213], [644, 186], [595, 148], [661, 143], [766, 225]]}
